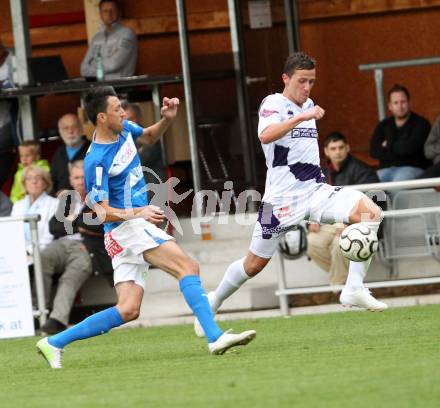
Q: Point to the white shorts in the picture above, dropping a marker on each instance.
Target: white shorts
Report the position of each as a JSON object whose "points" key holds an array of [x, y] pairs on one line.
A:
{"points": [[126, 244], [325, 204]]}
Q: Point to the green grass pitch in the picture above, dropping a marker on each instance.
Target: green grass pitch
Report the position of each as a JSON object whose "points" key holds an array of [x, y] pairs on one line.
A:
{"points": [[373, 360]]}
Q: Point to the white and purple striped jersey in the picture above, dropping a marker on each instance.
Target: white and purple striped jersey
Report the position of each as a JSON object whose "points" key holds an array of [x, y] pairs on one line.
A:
{"points": [[293, 160], [113, 172]]}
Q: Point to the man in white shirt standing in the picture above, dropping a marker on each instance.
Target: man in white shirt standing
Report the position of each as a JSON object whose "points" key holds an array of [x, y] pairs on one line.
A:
{"points": [[295, 187], [114, 46]]}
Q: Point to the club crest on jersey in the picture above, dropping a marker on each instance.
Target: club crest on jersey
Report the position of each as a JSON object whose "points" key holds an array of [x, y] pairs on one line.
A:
{"points": [[265, 113]]}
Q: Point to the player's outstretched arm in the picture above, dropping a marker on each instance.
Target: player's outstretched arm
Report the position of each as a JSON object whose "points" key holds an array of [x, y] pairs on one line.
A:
{"points": [[151, 213], [278, 130], [168, 112]]}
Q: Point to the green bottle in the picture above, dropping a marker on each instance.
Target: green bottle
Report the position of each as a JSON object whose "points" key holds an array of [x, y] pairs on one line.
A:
{"points": [[99, 66]]}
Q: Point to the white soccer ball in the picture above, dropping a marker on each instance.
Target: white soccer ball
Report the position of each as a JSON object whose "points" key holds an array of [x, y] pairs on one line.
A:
{"points": [[358, 242]]}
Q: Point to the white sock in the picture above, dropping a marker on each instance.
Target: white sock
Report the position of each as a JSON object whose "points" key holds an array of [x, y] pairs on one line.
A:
{"points": [[358, 270], [234, 277]]}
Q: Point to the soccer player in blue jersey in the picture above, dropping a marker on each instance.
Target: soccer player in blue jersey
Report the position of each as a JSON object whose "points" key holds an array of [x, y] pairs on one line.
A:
{"points": [[117, 193], [296, 189]]}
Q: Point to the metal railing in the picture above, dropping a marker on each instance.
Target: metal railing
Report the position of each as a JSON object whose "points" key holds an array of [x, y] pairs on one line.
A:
{"points": [[41, 312], [378, 75], [284, 291]]}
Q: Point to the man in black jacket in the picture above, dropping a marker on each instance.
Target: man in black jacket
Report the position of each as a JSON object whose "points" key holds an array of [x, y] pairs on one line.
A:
{"points": [[323, 240], [399, 139], [74, 148], [69, 254]]}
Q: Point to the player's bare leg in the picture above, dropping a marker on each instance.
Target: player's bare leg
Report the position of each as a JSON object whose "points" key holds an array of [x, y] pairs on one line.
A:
{"points": [[354, 292], [127, 308], [171, 258], [129, 300]]}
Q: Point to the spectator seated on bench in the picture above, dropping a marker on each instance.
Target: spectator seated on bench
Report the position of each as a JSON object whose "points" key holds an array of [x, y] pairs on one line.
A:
{"points": [[398, 140], [70, 255]]}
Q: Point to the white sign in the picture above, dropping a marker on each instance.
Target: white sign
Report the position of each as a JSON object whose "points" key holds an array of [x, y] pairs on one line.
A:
{"points": [[16, 318], [259, 14]]}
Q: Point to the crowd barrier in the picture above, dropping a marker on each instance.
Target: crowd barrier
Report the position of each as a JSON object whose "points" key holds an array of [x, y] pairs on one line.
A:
{"points": [[432, 241]]}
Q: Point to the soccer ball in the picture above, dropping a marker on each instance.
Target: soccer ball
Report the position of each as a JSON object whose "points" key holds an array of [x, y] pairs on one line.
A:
{"points": [[358, 242]]}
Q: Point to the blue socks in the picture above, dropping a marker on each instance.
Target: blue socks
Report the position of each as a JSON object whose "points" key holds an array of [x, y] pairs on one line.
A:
{"points": [[94, 325], [197, 300], [102, 322]]}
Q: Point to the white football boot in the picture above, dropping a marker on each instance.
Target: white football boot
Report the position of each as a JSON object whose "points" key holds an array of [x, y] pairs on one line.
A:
{"points": [[197, 326], [53, 355], [362, 298], [228, 340]]}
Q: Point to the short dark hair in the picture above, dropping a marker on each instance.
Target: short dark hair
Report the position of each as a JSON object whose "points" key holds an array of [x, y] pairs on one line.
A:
{"points": [[334, 137], [298, 60], [118, 4], [95, 101], [399, 88]]}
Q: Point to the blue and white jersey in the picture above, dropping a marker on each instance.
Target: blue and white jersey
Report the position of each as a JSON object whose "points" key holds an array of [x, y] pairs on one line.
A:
{"points": [[113, 172], [293, 160]]}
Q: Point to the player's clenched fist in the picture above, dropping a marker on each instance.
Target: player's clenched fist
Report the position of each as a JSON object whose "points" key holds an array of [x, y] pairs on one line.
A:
{"points": [[315, 113], [169, 107]]}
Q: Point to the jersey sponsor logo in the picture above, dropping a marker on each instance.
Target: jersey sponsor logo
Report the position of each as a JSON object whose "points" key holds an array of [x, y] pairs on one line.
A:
{"points": [[303, 132], [111, 246], [124, 157], [265, 113], [126, 153]]}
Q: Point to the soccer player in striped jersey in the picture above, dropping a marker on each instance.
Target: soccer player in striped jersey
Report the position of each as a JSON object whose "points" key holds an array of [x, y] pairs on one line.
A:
{"points": [[117, 192], [295, 187]]}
